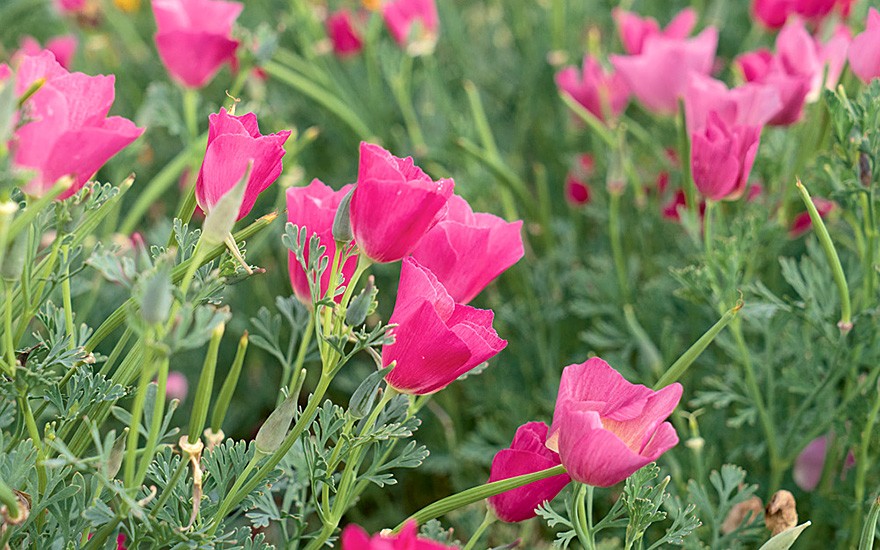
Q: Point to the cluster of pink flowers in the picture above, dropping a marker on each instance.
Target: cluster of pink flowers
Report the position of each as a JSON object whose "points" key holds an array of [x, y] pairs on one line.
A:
{"points": [[410, 23]]}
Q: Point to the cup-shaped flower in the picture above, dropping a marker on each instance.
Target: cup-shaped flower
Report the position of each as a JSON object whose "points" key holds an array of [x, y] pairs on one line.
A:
{"points": [[394, 204], [355, 538], [774, 13], [64, 48], [344, 37], [864, 52], [68, 132], [467, 250], [194, 37], [435, 340], [606, 428], [659, 75], [528, 453], [402, 16], [722, 156], [749, 104], [602, 94], [634, 29], [314, 207], [233, 143]]}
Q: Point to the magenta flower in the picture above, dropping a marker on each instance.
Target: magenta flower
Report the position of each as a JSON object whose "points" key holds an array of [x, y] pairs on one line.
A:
{"points": [[63, 47], [527, 454], [70, 6], [634, 30], [605, 428], [68, 132], [394, 204], [722, 156], [864, 52], [194, 38], [774, 13], [233, 142], [345, 38], [355, 538], [803, 223], [749, 104], [797, 69], [810, 464], [604, 95], [659, 74], [402, 16], [467, 250], [436, 340], [314, 207]]}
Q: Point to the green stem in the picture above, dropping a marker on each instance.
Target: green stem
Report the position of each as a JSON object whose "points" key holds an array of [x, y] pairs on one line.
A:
{"points": [[863, 462], [845, 323], [169, 489], [8, 343], [9, 500], [614, 230], [474, 494], [304, 341], [226, 504], [400, 85], [870, 229], [156, 423], [191, 112], [137, 411], [65, 296], [228, 388], [869, 529], [488, 520], [708, 218], [684, 153], [205, 388], [34, 433]]}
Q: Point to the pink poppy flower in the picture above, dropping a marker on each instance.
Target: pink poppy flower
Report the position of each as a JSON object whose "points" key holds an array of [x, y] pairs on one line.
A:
{"points": [[194, 37], [659, 75], [355, 538], [401, 16], [634, 30], [605, 428], [774, 13], [62, 47], [746, 105], [604, 95], [314, 207], [233, 142], [70, 6], [436, 340], [722, 156], [466, 250], [864, 52], [577, 187], [68, 132], [810, 463], [527, 454], [394, 204], [345, 38]]}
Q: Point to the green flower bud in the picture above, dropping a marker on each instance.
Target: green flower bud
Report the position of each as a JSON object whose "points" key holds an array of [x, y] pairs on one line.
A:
{"points": [[342, 220], [274, 429]]}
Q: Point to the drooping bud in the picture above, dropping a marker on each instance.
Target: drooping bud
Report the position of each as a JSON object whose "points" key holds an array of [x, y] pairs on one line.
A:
{"points": [[342, 220], [781, 512]]}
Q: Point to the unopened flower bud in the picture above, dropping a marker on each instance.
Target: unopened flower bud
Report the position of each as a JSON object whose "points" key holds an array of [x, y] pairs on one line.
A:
{"points": [[13, 260], [221, 218], [274, 429], [342, 220], [116, 454], [781, 512], [361, 305], [156, 297]]}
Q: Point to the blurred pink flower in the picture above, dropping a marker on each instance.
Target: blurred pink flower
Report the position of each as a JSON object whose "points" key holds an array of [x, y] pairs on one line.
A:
{"points": [[864, 52], [605, 428], [394, 204], [177, 386], [774, 13], [355, 538], [527, 453], [436, 340], [810, 464], [634, 29], [62, 47], [68, 132], [194, 37], [671, 208], [70, 6], [747, 105], [577, 187], [803, 223], [345, 38], [722, 156], [233, 142], [602, 94], [314, 207], [659, 75], [466, 250], [402, 15]]}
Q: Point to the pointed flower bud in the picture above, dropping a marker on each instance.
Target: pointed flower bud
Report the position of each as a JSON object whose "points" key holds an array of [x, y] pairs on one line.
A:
{"points": [[342, 220], [274, 429]]}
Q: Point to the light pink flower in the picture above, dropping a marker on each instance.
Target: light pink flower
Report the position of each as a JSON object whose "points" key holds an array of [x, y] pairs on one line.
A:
{"points": [[194, 37], [659, 75], [394, 204], [467, 250], [233, 142], [604, 95], [70, 6], [68, 132], [527, 454], [402, 15], [864, 52], [63, 47], [634, 29], [810, 463], [345, 38], [436, 340], [177, 386], [747, 105], [314, 207], [605, 428], [355, 538], [722, 156]]}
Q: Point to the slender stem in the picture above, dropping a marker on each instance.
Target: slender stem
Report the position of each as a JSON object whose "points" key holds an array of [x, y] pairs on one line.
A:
{"points": [[156, 423], [191, 112], [169, 489], [137, 411], [65, 294], [869, 529], [863, 462], [228, 388], [34, 433], [8, 343], [488, 520], [226, 504], [400, 85], [304, 341], [870, 228], [708, 219], [616, 244]]}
